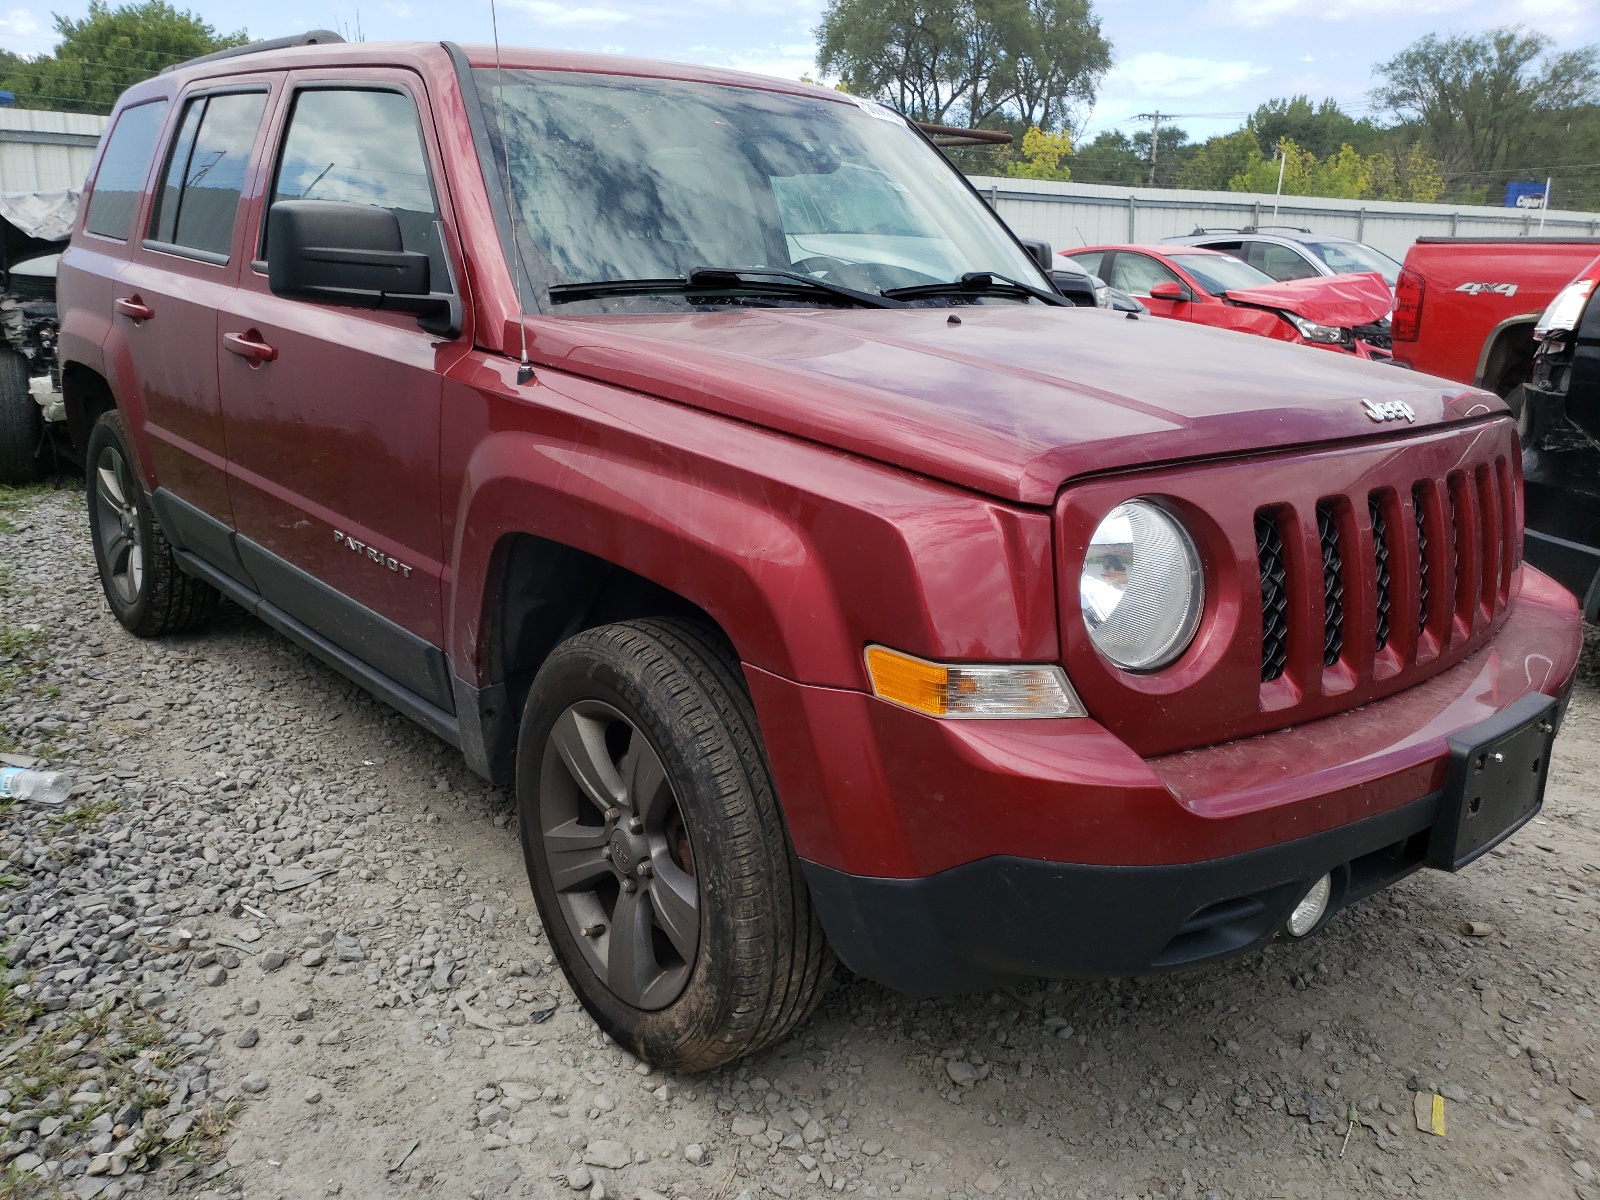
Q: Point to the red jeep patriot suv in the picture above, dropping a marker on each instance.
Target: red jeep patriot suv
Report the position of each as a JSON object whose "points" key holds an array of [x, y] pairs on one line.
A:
{"points": [[697, 453]]}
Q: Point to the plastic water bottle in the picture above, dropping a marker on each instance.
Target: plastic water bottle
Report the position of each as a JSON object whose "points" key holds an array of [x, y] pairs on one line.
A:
{"points": [[41, 787]]}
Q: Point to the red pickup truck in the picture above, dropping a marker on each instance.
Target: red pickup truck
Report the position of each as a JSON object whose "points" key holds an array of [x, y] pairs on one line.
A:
{"points": [[1465, 308], [699, 454]]}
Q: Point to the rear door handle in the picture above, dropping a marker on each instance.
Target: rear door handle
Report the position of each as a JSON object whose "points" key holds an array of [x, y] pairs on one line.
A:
{"points": [[249, 346], [133, 308]]}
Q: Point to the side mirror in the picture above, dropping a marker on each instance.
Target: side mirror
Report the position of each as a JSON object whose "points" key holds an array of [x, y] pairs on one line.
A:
{"points": [[1077, 288], [1168, 289], [352, 255], [1039, 251]]}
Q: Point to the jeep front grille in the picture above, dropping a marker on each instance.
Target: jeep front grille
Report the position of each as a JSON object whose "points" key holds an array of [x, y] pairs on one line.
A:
{"points": [[1460, 568], [1274, 598]]}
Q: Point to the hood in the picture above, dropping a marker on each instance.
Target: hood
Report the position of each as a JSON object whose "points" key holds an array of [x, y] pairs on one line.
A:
{"points": [[1014, 401], [1344, 301]]}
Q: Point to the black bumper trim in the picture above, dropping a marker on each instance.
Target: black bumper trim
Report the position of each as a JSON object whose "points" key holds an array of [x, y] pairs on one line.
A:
{"points": [[973, 927]]}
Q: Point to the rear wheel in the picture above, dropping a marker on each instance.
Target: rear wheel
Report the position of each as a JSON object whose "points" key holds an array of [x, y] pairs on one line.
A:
{"points": [[21, 423], [657, 854], [147, 591]]}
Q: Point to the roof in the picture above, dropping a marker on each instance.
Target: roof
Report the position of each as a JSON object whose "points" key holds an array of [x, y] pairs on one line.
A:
{"points": [[287, 53]]}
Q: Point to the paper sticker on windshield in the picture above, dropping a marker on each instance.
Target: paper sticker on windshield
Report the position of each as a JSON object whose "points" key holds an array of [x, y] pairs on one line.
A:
{"points": [[882, 111]]}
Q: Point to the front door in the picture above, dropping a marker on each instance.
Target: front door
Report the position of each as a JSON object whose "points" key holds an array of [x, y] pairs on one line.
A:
{"points": [[332, 414], [1137, 273], [182, 265]]}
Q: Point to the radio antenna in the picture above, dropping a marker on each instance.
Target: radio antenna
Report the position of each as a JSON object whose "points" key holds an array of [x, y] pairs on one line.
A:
{"points": [[525, 367]]}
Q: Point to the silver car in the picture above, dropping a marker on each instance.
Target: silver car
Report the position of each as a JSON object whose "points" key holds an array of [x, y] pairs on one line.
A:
{"points": [[1287, 252]]}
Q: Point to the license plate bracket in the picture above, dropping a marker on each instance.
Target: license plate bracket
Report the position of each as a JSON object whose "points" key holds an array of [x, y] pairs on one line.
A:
{"points": [[1496, 784]]}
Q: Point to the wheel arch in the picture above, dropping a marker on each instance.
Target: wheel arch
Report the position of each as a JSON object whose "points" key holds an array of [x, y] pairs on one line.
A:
{"points": [[1508, 342], [87, 394]]}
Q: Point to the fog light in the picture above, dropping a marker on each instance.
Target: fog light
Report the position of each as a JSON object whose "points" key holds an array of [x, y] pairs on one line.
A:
{"points": [[1309, 911]]}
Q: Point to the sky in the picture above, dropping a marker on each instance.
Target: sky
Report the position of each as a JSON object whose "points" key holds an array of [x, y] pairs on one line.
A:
{"points": [[1211, 61]]}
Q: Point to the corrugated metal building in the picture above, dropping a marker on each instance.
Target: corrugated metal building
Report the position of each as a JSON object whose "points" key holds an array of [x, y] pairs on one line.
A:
{"points": [[1086, 214], [46, 151]]}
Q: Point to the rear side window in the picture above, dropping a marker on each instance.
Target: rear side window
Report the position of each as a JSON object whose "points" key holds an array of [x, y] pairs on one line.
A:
{"points": [[1282, 263], [123, 168], [199, 197], [1090, 261], [362, 146]]}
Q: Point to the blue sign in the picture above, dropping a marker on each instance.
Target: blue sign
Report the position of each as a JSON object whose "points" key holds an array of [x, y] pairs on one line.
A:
{"points": [[1525, 195]]}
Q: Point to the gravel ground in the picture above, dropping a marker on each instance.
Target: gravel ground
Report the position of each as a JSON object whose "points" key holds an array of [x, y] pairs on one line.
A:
{"points": [[280, 945]]}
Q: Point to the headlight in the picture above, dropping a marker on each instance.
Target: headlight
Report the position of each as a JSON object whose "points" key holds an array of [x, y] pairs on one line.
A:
{"points": [[1565, 311], [971, 689], [1327, 335], [1142, 589]]}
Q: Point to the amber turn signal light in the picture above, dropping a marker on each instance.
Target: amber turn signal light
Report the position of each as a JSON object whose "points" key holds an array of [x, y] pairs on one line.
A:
{"points": [[969, 690]]}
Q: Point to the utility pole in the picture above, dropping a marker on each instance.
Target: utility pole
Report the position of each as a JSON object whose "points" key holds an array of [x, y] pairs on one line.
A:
{"points": [[1155, 138]]}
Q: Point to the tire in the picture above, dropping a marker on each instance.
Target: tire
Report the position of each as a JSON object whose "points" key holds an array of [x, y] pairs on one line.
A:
{"points": [[147, 591], [661, 704], [21, 423]]}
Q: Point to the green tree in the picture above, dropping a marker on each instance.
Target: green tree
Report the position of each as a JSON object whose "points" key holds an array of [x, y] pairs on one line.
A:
{"points": [[1110, 158], [109, 50], [1322, 129], [1041, 156], [1053, 57], [1478, 99], [1218, 160], [979, 62]]}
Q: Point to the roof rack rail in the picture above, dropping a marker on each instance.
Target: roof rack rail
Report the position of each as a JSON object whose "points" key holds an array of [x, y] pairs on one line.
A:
{"points": [[317, 37], [945, 136], [1263, 228], [1201, 229]]}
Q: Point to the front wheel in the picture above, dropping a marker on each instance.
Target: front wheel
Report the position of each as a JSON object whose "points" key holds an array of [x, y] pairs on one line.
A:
{"points": [[657, 855]]}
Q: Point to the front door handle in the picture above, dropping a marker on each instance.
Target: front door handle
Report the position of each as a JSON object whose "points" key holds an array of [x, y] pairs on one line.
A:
{"points": [[133, 308], [249, 346]]}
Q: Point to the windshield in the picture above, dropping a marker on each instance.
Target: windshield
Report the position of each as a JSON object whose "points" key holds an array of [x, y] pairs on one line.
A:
{"points": [[1218, 273], [617, 178], [1355, 258]]}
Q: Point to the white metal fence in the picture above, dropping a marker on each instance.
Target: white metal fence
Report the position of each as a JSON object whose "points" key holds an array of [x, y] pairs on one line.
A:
{"points": [[46, 151], [1087, 214]]}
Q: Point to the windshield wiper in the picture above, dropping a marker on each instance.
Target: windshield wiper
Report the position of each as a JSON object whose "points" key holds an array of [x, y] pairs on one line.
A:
{"points": [[978, 283], [722, 279]]}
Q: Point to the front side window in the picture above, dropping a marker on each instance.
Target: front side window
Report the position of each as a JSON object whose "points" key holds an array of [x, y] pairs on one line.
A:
{"points": [[362, 147], [616, 178], [122, 169], [1220, 273], [1136, 274], [199, 198]]}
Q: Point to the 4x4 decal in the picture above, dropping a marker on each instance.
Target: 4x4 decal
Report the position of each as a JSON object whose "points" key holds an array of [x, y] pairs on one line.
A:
{"points": [[1498, 289]]}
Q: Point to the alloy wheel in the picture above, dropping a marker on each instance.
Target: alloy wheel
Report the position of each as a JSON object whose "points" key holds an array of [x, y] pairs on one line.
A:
{"points": [[619, 855], [117, 521]]}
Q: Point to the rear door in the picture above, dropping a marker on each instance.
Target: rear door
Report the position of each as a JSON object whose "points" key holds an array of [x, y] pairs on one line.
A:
{"points": [[179, 273], [334, 439]]}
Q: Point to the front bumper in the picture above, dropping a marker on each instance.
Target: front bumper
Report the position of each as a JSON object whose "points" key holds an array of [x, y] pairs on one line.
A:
{"points": [[945, 855], [975, 926]]}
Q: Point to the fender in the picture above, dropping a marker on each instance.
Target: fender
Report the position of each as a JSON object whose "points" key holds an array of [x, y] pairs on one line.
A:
{"points": [[802, 554]]}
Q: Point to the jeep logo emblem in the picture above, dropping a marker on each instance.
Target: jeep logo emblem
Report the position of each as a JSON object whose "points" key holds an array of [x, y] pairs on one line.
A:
{"points": [[1390, 410]]}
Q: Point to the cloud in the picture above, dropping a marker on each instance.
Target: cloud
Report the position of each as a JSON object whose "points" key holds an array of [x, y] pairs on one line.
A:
{"points": [[19, 22], [1256, 14], [1566, 20], [1154, 73], [787, 61], [565, 16], [668, 14]]}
